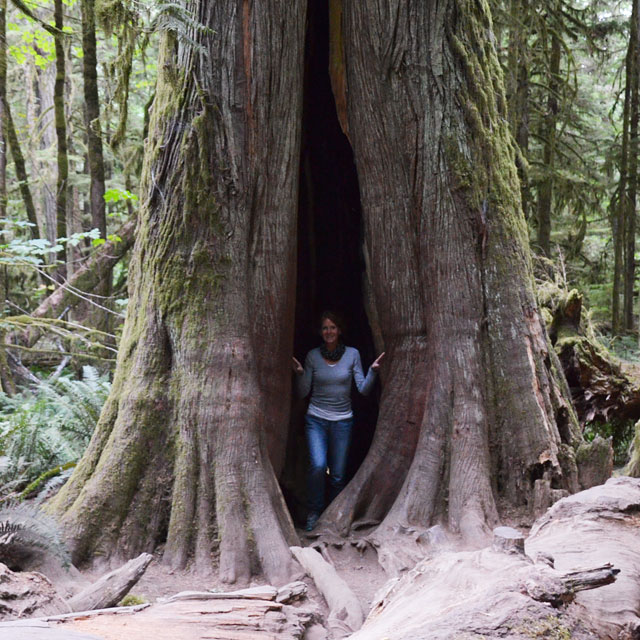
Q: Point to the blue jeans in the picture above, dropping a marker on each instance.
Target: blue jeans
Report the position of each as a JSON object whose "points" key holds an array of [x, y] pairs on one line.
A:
{"points": [[328, 442]]}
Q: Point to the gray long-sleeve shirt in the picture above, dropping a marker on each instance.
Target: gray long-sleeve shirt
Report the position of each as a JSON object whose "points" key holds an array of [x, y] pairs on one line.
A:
{"points": [[330, 384]]}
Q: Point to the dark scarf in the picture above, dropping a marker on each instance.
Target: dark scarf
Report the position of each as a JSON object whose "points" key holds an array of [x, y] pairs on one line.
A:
{"points": [[332, 356]]}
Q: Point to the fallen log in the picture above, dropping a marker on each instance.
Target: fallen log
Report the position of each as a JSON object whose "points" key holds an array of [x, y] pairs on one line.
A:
{"points": [[88, 277], [596, 527], [112, 587], [345, 612]]}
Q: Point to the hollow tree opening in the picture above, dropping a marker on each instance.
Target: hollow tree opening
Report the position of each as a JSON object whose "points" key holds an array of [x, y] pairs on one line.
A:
{"points": [[330, 262], [471, 394]]}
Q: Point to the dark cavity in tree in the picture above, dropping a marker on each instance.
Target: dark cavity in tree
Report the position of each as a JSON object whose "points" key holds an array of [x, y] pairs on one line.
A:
{"points": [[331, 267]]}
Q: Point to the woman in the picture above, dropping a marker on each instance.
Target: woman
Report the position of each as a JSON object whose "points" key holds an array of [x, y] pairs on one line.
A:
{"points": [[327, 372]]}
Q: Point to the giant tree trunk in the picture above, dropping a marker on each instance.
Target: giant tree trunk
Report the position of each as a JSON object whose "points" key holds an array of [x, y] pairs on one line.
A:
{"points": [[471, 408], [181, 449]]}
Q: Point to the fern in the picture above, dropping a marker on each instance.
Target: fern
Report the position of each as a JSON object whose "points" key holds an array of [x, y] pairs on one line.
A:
{"points": [[47, 428], [25, 533]]}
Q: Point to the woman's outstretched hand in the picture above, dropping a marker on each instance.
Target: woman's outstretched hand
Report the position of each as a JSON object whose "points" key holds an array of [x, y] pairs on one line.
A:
{"points": [[376, 365], [297, 367]]}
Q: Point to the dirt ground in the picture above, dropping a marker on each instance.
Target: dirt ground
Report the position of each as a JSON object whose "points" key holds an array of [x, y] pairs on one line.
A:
{"points": [[360, 571]]}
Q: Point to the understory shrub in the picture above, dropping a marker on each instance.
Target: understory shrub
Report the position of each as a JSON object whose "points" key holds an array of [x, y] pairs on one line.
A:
{"points": [[42, 432]]}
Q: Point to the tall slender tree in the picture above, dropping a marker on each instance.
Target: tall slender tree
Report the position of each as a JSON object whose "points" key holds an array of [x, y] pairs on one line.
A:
{"points": [[61, 134], [92, 118], [3, 106]]}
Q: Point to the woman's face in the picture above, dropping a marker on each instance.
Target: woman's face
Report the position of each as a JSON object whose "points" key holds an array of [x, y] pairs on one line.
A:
{"points": [[330, 332]]}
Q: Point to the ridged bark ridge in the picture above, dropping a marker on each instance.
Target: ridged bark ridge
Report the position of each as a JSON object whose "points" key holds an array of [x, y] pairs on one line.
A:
{"points": [[181, 449]]}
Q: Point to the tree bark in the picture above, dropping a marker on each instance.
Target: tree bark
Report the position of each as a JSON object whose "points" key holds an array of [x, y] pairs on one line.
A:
{"points": [[518, 89], [3, 107], [181, 448], [630, 267], [472, 407], [549, 124], [92, 113], [21, 173], [61, 133]]}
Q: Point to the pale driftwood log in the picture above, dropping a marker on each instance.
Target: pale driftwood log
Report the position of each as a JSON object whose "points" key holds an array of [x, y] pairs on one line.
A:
{"points": [[38, 630], [265, 592], [592, 528], [90, 613], [229, 619], [112, 587], [345, 612], [471, 594]]}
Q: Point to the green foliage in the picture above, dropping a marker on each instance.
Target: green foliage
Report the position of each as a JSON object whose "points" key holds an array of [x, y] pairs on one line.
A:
{"points": [[47, 428], [131, 600], [21, 250], [621, 433], [551, 628], [26, 531]]}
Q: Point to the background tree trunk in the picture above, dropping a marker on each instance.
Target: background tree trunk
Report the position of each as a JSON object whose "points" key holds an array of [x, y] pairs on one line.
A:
{"points": [[61, 133], [3, 107], [181, 447], [630, 170], [21, 172], [92, 113], [548, 135], [471, 406], [99, 318]]}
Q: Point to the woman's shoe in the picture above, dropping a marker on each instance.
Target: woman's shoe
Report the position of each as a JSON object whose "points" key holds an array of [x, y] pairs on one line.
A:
{"points": [[312, 518]]}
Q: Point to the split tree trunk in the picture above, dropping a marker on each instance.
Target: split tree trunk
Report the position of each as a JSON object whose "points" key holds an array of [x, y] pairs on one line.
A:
{"points": [[181, 448], [471, 408]]}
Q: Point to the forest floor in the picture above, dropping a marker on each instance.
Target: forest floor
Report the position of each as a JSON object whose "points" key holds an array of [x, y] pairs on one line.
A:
{"points": [[361, 572]]}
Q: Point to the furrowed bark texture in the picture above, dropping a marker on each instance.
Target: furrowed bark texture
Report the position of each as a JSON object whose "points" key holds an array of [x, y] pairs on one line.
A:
{"points": [[181, 449], [92, 118], [470, 394], [61, 133]]}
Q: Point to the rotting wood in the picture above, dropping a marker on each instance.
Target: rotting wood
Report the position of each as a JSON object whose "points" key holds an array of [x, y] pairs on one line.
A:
{"points": [[89, 613], [291, 591], [508, 540], [562, 589], [345, 612], [112, 587], [266, 592], [239, 619]]}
